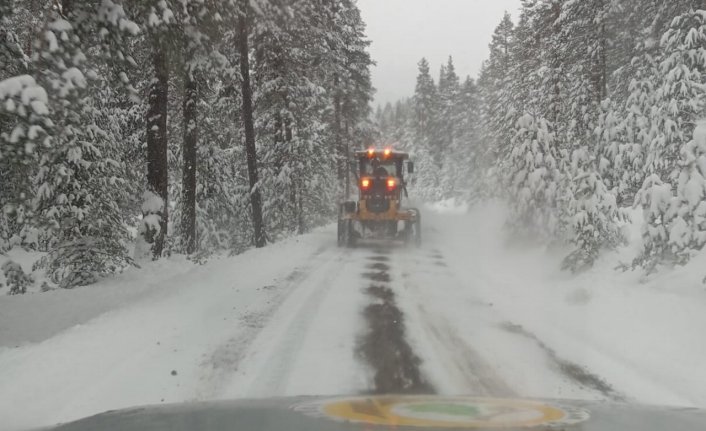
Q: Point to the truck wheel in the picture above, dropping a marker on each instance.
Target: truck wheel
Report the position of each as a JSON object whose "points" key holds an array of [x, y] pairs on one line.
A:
{"points": [[392, 229], [407, 232], [341, 232], [418, 229], [349, 237]]}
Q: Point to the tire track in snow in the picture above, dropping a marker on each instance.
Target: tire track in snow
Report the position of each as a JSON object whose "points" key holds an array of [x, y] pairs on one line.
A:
{"points": [[461, 362], [444, 348], [226, 359], [270, 358], [564, 375], [575, 372], [571, 373]]}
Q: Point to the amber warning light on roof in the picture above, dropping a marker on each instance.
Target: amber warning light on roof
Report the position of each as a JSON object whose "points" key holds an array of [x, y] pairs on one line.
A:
{"points": [[372, 152]]}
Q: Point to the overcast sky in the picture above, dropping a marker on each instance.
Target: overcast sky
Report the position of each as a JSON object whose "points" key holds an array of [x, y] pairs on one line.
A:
{"points": [[404, 31]]}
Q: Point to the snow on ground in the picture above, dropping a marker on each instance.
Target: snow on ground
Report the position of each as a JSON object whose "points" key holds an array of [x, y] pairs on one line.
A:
{"points": [[486, 316], [642, 337], [181, 340], [463, 339], [37, 316], [309, 349]]}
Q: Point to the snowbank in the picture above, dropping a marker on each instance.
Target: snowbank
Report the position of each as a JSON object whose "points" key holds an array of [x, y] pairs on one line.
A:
{"points": [[642, 335], [447, 206], [37, 316]]}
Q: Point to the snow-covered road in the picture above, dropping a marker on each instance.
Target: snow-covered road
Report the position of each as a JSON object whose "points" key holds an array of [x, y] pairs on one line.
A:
{"points": [[304, 317]]}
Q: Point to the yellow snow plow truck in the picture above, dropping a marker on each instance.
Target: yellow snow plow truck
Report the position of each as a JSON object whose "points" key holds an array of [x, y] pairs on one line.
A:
{"points": [[379, 213]]}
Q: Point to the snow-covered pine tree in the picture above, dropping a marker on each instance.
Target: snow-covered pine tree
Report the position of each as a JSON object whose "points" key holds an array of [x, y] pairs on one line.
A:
{"points": [[469, 166], [94, 35], [85, 231], [494, 82], [612, 163], [400, 133], [246, 18], [658, 202], [198, 61], [354, 84], [517, 80], [382, 122], [676, 153], [631, 29], [636, 138], [351, 64], [687, 233], [425, 99], [621, 108], [158, 20], [15, 160], [529, 162], [394, 124], [13, 59], [448, 126], [26, 122], [499, 83], [523, 61], [288, 104], [194, 41], [594, 212], [635, 88], [223, 212], [590, 211], [533, 180], [16, 278], [680, 93]]}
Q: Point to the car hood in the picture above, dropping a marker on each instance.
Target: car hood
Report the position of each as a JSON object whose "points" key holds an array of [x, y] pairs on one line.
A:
{"points": [[394, 412]]}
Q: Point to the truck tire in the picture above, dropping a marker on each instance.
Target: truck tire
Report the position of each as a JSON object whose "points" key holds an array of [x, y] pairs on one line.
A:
{"points": [[418, 230], [349, 237], [341, 233], [415, 233]]}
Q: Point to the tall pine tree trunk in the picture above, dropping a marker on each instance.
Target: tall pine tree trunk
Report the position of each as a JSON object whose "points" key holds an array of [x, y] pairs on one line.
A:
{"points": [[296, 190], [337, 137], [301, 223], [250, 150], [602, 84], [65, 8], [347, 151], [278, 130], [556, 65], [157, 181], [288, 134], [189, 169]]}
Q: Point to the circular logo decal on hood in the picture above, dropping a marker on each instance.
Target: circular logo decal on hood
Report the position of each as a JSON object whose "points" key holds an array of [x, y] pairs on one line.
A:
{"points": [[449, 412]]}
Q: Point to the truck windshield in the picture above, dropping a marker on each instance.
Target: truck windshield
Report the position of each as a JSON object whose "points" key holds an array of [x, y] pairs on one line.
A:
{"points": [[379, 169]]}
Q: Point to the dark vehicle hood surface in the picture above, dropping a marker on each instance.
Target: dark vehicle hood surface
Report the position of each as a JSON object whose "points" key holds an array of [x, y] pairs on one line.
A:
{"points": [[393, 412]]}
